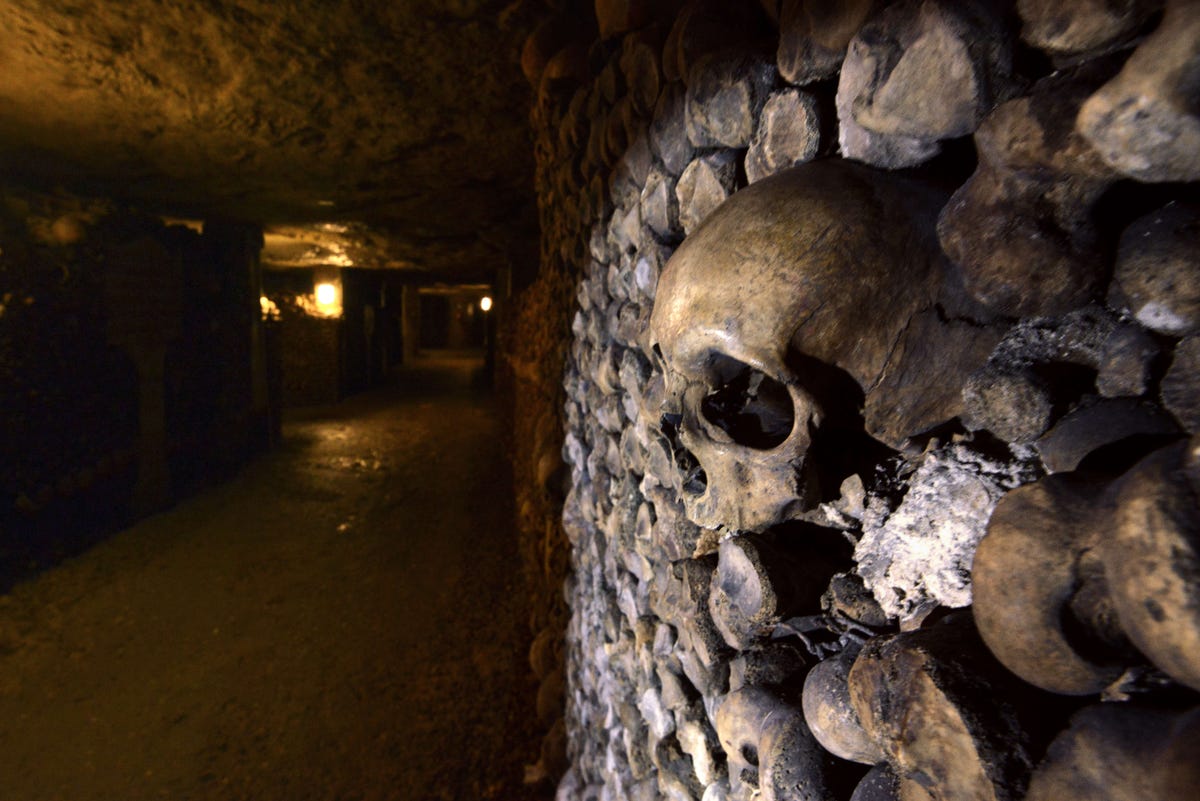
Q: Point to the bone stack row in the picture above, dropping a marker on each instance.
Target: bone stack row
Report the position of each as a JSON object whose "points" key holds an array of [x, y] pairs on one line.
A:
{"points": [[1006, 607]]}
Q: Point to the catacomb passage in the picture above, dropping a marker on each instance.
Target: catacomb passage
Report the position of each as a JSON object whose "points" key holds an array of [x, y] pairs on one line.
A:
{"points": [[330, 624], [845, 354]]}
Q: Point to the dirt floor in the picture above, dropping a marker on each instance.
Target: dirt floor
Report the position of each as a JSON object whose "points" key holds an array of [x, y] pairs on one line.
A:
{"points": [[344, 621]]}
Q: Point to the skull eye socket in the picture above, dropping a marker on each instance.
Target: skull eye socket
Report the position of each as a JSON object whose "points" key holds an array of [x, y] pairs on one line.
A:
{"points": [[754, 409]]}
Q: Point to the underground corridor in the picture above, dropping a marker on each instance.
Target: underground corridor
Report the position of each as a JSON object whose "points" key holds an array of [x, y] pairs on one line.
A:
{"points": [[600, 400], [343, 619]]}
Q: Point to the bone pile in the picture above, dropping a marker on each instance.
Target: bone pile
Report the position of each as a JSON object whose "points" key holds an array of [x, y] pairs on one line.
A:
{"points": [[884, 473]]}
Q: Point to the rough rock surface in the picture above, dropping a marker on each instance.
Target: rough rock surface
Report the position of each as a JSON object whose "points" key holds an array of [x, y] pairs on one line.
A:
{"points": [[399, 115]]}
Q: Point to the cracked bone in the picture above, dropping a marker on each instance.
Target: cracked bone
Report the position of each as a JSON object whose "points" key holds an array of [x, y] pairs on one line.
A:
{"points": [[788, 133], [726, 91], [705, 184]]}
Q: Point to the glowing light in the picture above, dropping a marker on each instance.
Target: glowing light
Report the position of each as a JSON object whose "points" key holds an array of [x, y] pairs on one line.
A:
{"points": [[269, 310], [329, 299], [485, 303], [326, 294]]}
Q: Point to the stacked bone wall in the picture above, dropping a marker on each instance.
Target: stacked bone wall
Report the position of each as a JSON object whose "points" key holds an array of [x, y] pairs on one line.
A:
{"points": [[858, 650]]}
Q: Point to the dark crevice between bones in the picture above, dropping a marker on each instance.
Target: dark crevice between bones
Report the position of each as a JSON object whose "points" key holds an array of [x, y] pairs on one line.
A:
{"points": [[695, 480]]}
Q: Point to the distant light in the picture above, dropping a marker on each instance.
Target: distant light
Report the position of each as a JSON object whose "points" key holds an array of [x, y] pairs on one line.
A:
{"points": [[329, 299], [326, 294], [269, 310], [485, 303]]}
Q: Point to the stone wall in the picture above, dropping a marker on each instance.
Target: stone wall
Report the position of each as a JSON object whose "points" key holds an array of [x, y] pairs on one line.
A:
{"points": [[880, 383], [126, 375], [311, 358]]}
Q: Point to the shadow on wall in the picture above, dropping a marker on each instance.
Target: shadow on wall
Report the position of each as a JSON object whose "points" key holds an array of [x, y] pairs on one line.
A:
{"points": [[127, 376]]}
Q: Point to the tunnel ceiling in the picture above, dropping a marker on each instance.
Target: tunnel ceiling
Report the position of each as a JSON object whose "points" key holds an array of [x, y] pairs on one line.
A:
{"points": [[391, 133]]}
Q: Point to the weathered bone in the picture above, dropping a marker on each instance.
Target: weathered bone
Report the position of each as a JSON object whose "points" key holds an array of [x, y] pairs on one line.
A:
{"points": [[698, 740], [1020, 227], [1157, 275], [813, 35], [724, 96], [848, 597], [703, 652], [1152, 559], [1145, 123], [1065, 27], [1126, 362], [1015, 405], [660, 204], [918, 72], [1036, 560], [1099, 422], [640, 65], [882, 784], [942, 712], [788, 133], [776, 278], [758, 583], [830, 714], [1180, 387], [769, 748], [668, 130], [772, 663], [704, 185], [1118, 752]]}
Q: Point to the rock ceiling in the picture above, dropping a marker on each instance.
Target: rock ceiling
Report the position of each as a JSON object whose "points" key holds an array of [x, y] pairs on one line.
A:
{"points": [[395, 129]]}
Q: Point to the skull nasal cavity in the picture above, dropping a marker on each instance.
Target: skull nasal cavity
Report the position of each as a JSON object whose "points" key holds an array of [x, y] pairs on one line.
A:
{"points": [[750, 406]]}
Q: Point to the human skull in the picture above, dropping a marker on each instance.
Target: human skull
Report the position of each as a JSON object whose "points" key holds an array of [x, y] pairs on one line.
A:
{"points": [[795, 289]]}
